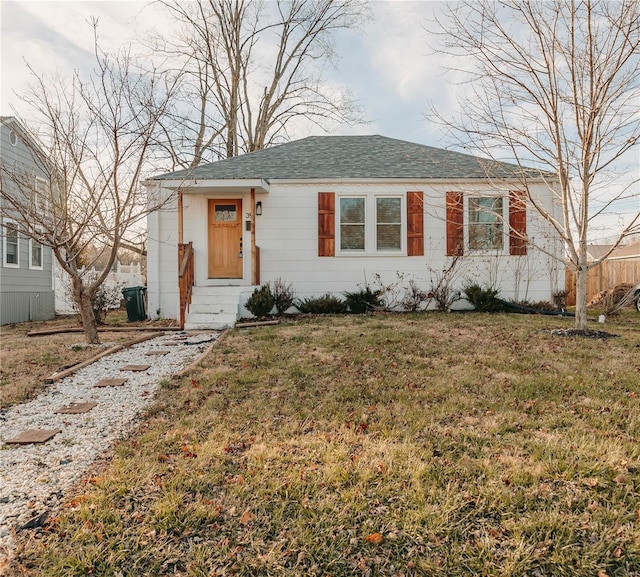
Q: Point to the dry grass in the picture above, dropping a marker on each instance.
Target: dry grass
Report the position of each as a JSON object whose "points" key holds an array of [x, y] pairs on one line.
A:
{"points": [[26, 361], [438, 444]]}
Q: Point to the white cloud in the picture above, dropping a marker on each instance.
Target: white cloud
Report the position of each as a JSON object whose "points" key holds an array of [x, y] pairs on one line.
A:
{"points": [[58, 37]]}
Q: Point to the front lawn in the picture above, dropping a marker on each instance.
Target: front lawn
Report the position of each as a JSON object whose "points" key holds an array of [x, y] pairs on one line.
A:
{"points": [[432, 444]]}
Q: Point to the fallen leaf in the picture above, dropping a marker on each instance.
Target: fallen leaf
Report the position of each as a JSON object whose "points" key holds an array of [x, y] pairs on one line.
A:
{"points": [[246, 518], [374, 538], [602, 573]]}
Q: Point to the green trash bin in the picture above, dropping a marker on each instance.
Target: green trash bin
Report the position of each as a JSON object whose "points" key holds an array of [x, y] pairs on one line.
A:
{"points": [[134, 302]]}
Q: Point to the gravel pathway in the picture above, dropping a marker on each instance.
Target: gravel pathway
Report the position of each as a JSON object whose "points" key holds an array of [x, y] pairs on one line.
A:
{"points": [[35, 478]]}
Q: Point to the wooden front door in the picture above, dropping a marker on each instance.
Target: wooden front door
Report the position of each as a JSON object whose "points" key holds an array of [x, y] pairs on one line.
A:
{"points": [[225, 238]]}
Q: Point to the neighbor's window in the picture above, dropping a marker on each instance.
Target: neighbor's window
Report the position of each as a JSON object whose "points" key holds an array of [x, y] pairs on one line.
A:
{"points": [[35, 254], [388, 224], [486, 223], [11, 245], [352, 224], [41, 194]]}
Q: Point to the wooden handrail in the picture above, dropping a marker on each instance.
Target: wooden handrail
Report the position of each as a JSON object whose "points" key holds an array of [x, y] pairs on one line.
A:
{"points": [[186, 276]]}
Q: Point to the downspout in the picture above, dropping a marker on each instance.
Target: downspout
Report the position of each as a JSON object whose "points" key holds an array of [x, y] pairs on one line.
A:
{"points": [[180, 218], [158, 275]]}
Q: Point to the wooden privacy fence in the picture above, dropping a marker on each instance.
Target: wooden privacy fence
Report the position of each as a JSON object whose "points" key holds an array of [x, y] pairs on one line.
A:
{"points": [[606, 275]]}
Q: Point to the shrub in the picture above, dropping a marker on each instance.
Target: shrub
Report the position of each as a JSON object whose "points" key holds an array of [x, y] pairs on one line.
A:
{"points": [[364, 300], [261, 301], [283, 294], [108, 296], [560, 299], [324, 305], [414, 297], [483, 299]]}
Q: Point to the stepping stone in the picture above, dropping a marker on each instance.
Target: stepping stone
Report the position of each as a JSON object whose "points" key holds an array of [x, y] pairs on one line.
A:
{"points": [[110, 383], [31, 436], [158, 352], [135, 368], [76, 408]]}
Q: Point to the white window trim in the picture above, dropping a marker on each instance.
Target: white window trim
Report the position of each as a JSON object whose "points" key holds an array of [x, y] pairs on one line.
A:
{"points": [[31, 265], [505, 228], [370, 225], [4, 244]]}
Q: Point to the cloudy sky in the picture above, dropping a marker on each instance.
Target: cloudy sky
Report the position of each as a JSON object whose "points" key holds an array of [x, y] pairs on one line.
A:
{"points": [[384, 65], [387, 66]]}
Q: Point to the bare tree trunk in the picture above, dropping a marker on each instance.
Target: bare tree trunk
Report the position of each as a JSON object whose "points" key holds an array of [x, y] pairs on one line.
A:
{"points": [[581, 298], [87, 316]]}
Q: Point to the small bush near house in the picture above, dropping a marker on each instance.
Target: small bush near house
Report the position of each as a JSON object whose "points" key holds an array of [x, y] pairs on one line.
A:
{"points": [[560, 299], [261, 301], [283, 294], [327, 304], [363, 301], [414, 297], [108, 296], [483, 299]]}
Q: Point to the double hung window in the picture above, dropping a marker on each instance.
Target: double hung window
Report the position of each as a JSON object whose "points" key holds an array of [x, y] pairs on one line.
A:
{"points": [[370, 224], [10, 245]]}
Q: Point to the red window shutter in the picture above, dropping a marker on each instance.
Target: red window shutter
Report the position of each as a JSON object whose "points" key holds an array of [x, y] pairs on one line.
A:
{"points": [[517, 223], [415, 224], [455, 224], [326, 224]]}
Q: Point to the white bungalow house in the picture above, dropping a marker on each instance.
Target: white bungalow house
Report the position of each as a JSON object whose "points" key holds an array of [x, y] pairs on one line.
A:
{"points": [[331, 213]]}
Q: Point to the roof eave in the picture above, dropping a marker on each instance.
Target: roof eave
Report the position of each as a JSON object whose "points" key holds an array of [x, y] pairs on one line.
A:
{"points": [[237, 185]]}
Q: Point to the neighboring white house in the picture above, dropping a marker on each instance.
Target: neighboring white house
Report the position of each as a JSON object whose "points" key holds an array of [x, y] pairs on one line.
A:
{"points": [[26, 268], [331, 213]]}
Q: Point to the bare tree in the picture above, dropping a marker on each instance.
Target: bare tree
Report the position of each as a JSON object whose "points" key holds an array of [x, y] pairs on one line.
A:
{"points": [[554, 85], [94, 139], [248, 69]]}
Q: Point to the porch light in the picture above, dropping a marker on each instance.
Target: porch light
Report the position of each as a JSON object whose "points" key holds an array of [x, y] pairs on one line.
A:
{"points": [[259, 208]]}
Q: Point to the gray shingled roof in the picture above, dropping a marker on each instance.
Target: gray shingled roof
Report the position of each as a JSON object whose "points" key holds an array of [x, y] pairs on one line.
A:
{"points": [[352, 157]]}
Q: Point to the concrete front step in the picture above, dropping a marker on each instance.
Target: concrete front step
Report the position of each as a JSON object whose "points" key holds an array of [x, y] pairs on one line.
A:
{"points": [[210, 321], [214, 307]]}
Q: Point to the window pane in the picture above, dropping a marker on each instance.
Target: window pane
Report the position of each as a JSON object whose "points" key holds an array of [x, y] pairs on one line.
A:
{"points": [[36, 253], [388, 210], [11, 238], [352, 214], [388, 237], [225, 213], [485, 223], [352, 237], [352, 210]]}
